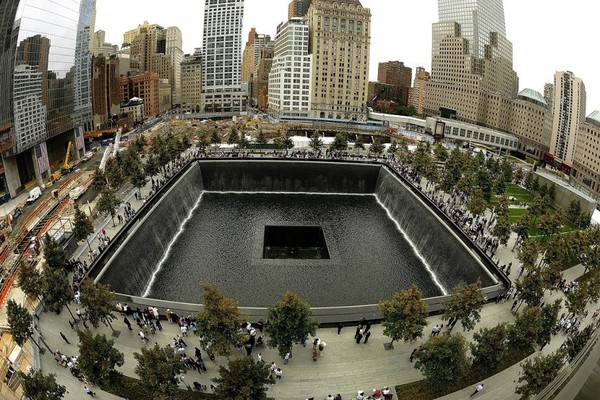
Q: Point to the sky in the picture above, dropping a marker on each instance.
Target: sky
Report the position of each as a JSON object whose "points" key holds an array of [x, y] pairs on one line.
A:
{"points": [[546, 35]]}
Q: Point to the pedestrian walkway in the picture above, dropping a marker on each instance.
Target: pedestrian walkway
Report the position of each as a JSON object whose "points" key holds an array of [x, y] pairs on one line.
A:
{"points": [[344, 367]]}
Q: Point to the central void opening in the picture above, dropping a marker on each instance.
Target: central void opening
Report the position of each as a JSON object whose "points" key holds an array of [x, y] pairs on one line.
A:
{"points": [[294, 242]]}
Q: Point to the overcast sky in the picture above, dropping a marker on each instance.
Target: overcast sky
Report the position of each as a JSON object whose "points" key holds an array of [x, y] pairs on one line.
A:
{"points": [[547, 36]]}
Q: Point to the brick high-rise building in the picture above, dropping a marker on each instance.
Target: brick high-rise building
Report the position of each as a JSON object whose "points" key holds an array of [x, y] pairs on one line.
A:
{"points": [[222, 57], [146, 87], [260, 82], [256, 42], [395, 73], [340, 44], [569, 112], [417, 92], [298, 8], [191, 82]]}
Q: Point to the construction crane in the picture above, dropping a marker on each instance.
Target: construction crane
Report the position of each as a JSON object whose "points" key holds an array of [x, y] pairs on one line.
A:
{"points": [[65, 167]]}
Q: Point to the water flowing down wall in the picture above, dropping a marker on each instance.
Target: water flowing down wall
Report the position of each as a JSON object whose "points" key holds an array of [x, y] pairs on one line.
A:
{"points": [[450, 260], [133, 265]]}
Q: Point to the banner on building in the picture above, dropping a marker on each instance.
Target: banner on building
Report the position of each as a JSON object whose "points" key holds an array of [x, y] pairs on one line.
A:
{"points": [[41, 154], [79, 140]]}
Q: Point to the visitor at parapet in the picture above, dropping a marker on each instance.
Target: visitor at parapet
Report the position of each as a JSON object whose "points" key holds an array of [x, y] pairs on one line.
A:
{"points": [[478, 389], [360, 395]]}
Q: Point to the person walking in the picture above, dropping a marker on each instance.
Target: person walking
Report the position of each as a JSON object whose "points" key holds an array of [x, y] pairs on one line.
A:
{"points": [[88, 391], [478, 389], [339, 327], [367, 336], [286, 358], [127, 323], [358, 338], [62, 335]]}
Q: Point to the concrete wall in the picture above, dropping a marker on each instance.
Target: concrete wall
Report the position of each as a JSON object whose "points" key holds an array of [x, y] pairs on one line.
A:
{"points": [[565, 193]]}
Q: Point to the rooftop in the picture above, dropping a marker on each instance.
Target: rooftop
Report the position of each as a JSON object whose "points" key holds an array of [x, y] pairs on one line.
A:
{"points": [[532, 95]]}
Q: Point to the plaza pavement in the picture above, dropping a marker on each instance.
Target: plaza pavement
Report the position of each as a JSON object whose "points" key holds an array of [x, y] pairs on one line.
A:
{"points": [[344, 367]]}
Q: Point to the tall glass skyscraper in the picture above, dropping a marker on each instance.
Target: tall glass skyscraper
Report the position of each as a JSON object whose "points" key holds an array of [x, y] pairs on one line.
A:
{"points": [[222, 56], [477, 19], [45, 100]]}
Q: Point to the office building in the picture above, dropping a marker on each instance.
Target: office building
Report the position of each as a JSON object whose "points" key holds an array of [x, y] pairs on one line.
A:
{"points": [[256, 42], [106, 96], [45, 101], [222, 57], [298, 8], [290, 76], [585, 173], [569, 112], [549, 95], [417, 91], [396, 74], [98, 45], [472, 78], [259, 85], [146, 87], [191, 82], [531, 123], [340, 42]]}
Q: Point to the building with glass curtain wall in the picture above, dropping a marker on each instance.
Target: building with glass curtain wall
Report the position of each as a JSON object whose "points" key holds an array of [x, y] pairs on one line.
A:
{"points": [[222, 57], [45, 101]]}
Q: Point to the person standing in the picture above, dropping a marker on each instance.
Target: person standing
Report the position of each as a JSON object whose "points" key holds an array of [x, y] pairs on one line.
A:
{"points": [[127, 323], [478, 389], [367, 336], [359, 337], [340, 326], [286, 358]]}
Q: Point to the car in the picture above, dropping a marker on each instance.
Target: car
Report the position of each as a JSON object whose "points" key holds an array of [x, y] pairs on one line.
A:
{"points": [[34, 194], [87, 156]]}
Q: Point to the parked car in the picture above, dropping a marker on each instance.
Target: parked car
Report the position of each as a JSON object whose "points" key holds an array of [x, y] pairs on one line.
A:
{"points": [[87, 156], [34, 194]]}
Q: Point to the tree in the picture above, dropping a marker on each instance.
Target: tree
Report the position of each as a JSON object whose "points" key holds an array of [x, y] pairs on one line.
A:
{"points": [[108, 203], [99, 180], [521, 227], [359, 143], [476, 203], [518, 176], [233, 137], [29, 279], [261, 139], [98, 358], [528, 254], [137, 176], [243, 142], [526, 329], [440, 152], [82, 227], [20, 322], [548, 319], [340, 142], [530, 288], [215, 138], [537, 208], [54, 254], [538, 373], [443, 359], [152, 166], [376, 146], [37, 386], [577, 299], [573, 211], [97, 300], [289, 323], [465, 305], [57, 290], [584, 220], [315, 142], [243, 379], [577, 340], [484, 182], [405, 315], [219, 320], [491, 345], [159, 368], [550, 223], [114, 173]]}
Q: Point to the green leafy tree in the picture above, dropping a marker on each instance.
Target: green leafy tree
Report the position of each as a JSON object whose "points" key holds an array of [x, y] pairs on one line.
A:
{"points": [[584, 220], [518, 176], [57, 290], [538, 373], [537, 208], [114, 173], [405, 315], [140, 143], [548, 320], [233, 137], [550, 223], [29, 280], [528, 180], [137, 176], [376, 146], [359, 143], [242, 379], [484, 182], [577, 299], [443, 359], [526, 329], [152, 167], [20, 322], [82, 226], [440, 152], [289, 323], [573, 211], [98, 359], [54, 254], [521, 227], [159, 369], [577, 340], [315, 142], [98, 302], [393, 147], [219, 321], [465, 304], [528, 254], [215, 138], [261, 139], [340, 142], [490, 345], [99, 180], [37, 386], [243, 142], [502, 229], [530, 288], [476, 203], [108, 203]]}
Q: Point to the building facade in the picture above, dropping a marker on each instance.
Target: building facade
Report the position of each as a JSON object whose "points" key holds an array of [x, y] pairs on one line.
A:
{"points": [[340, 43], [417, 91], [396, 74], [259, 85], [222, 57], [569, 112], [45, 101], [290, 75], [106, 95], [531, 122], [146, 87], [98, 45], [298, 8], [191, 83], [585, 173]]}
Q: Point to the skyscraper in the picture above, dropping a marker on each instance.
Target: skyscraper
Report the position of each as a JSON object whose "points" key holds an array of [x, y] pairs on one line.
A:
{"points": [[298, 8], [398, 75], [340, 43], [569, 112], [222, 56], [45, 101], [472, 74]]}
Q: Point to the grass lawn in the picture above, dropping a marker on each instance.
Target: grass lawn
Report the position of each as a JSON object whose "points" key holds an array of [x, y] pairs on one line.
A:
{"points": [[516, 191], [420, 390], [131, 387]]}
